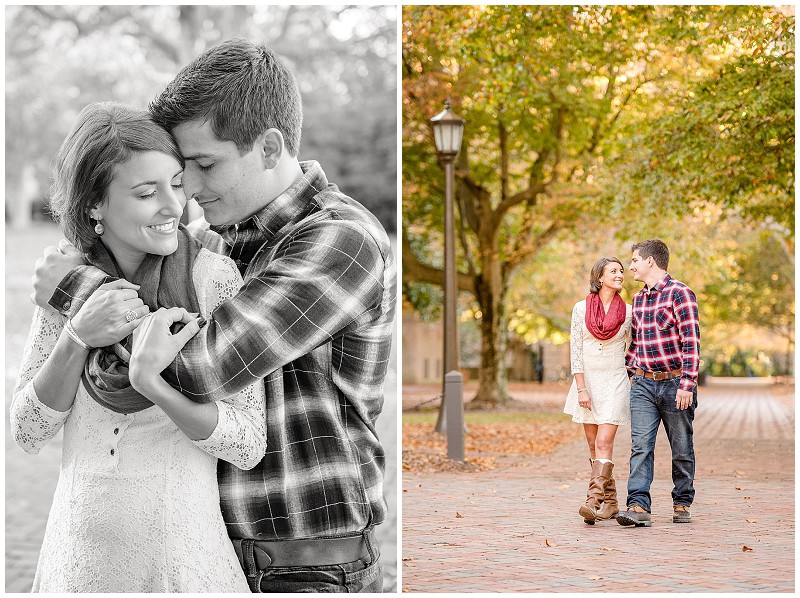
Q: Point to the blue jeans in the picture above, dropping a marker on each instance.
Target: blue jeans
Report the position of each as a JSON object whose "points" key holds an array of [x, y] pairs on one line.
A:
{"points": [[653, 402]]}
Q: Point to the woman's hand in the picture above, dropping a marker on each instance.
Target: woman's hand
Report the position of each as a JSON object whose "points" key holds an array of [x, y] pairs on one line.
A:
{"points": [[155, 347], [584, 400], [102, 321]]}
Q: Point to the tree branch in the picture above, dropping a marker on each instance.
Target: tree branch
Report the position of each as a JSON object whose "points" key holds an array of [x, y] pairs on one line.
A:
{"points": [[416, 271]]}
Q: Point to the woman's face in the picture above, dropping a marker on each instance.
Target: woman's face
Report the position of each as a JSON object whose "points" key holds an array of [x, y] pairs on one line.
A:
{"points": [[613, 276], [143, 206]]}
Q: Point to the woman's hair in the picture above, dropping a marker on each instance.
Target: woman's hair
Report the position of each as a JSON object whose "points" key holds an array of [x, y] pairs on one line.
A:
{"points": [[242, 89], [597, 272], [105, 135]]}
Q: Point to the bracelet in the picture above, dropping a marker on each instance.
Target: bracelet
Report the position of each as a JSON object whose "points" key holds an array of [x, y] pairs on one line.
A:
{"points": [[74, 336], [582, 390]]}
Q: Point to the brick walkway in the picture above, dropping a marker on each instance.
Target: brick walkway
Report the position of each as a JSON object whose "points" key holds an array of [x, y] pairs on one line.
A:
{"points": [[520, 530]]}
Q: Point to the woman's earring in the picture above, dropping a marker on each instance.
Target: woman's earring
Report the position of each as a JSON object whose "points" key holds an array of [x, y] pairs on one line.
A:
{"points": [[99, 228]]}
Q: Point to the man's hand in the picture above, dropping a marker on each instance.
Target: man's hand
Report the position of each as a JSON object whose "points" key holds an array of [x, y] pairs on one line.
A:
{"points": [[51, 269], [683, 399], [102, 321], [155, 347]]}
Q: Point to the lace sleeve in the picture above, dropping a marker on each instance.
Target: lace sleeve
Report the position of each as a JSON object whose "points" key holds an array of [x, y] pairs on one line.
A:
{"points": [[576, 340], [241, 433], [33, 423]]}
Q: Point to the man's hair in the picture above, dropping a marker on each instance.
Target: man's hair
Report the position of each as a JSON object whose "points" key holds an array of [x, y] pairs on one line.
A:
{"points": [[104, 136], [655, 248], [241, 88], [597, 271]]}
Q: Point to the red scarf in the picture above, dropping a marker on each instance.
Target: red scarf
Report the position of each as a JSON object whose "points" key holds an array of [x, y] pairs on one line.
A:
{"points": [[603, 325]]}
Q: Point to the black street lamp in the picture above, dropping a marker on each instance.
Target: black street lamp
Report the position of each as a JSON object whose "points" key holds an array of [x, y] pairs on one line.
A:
{"points": [[448, 128]]}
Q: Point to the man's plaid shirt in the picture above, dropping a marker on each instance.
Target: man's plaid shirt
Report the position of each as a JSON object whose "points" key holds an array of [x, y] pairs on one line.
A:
{"points": [[314, 320], [666, 331]]}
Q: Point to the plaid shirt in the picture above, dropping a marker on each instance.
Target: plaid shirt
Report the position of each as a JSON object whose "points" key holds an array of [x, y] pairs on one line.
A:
{"points": [[314, 320], [666, 331]]}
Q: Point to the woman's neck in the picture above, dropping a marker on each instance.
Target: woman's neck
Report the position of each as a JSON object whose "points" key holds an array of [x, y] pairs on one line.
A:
{"points": [[127, 259], [606, 296]]}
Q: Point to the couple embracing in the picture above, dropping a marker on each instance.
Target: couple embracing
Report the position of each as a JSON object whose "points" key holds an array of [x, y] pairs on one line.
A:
{"points": [[218, 390], [635, 364]]}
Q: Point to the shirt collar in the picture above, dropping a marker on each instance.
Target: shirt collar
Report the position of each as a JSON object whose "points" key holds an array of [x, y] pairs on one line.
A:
{"points": [[659, 286], [284, 209]]}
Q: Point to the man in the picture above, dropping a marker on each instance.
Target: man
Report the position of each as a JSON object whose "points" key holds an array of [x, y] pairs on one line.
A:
{"points": [[313, 320], [663, 361]]}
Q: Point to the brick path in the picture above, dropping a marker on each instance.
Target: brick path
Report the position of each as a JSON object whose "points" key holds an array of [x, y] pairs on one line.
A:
{"points": [[520, 529]]}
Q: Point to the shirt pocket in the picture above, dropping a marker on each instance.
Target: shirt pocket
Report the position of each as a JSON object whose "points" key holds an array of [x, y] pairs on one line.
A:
{"points": [[665, 318]]}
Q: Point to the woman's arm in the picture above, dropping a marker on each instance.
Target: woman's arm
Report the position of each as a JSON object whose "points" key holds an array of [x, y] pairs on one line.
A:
{"points": [[576, 357], [34, 423], [233, 429]]}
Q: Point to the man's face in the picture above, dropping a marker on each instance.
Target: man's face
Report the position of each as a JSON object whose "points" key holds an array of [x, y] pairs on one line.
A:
{"points": [[640, 267], [228, 186]]}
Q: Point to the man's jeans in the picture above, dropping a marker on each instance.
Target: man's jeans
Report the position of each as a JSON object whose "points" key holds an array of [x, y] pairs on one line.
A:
{"points": [[364, 575], [653, 402]]}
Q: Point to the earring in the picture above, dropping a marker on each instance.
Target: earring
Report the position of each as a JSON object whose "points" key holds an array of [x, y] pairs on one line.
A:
{"points": [[99, 228]]}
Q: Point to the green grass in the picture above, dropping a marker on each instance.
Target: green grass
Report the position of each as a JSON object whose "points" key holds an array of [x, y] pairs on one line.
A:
{"points": [[488, 417]]}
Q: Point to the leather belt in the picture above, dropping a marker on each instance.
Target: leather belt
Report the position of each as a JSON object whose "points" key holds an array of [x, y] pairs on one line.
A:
{"points": [[659, 375], [303, 553]]}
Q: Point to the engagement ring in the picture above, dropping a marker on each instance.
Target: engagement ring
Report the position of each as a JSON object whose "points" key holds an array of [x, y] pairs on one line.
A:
{"points": [[130, 315]]}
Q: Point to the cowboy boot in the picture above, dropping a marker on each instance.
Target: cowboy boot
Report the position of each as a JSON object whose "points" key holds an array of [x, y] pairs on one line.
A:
{"points": [[609, 508], [594, 495]]}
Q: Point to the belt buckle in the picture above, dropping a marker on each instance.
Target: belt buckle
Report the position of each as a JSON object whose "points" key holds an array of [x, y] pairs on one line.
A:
{"points": [[262, 558], [659, 376]]}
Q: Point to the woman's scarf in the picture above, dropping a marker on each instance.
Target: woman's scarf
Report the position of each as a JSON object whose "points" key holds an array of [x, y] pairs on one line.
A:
{"points": [[602, 325], [166, 281]]}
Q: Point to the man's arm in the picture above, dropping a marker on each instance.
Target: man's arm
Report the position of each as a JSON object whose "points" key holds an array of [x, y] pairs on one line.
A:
{"points": [[50, 270], [324, 281], [688, 317]]}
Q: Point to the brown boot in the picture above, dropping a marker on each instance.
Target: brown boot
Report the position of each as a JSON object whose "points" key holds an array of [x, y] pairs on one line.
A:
{"points": [[594, 496], [609, 508]]}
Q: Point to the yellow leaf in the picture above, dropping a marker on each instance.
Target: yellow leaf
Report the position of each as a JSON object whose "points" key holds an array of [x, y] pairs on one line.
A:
{"points": [[595, 578], [751, 520], [563, 486], [549, 542], [459, 515], [746, 549]]}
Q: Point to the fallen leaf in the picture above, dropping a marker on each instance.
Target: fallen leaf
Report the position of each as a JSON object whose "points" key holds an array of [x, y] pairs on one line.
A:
{"points": [[751, 520], [745, 498], [595, 578], [563, 486], [408, 558], [549, 542], [459, 515], [746, 548], [739, 488], [609, 549], [405, 489], [737, 472]]}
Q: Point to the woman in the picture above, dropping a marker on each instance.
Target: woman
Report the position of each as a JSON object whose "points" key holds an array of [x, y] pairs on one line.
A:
{"points": [[136, 508], [600, 393]]}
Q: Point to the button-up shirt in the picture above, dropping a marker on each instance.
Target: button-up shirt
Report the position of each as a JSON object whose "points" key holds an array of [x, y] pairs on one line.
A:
{"points": [[666, 331], [314, 321]]}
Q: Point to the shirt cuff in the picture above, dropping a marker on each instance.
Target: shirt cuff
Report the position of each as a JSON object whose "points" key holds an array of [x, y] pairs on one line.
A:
{"points": [[76, 287], [687, 384]]}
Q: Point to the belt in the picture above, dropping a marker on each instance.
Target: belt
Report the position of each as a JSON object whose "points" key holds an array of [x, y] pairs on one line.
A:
{"points": [[302, 553], [659, 375]]}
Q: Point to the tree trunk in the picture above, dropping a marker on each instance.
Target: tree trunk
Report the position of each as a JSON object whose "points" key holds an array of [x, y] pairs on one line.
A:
{"points": [[493, 378]]}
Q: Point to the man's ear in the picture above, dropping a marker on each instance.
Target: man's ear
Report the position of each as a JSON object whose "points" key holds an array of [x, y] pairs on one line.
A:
{"points": [[271, 148]]}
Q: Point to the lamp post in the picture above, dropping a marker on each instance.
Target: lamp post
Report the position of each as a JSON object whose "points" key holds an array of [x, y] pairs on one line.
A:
{"points": [[448, 128]]}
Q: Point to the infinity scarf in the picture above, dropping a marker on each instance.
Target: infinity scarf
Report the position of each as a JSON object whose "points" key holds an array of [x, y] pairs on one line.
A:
{"points": [[604, 326], [166, 281]]}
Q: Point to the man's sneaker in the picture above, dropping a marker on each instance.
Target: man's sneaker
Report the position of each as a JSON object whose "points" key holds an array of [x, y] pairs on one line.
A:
{"points": [[635, 515], [681, 514]]}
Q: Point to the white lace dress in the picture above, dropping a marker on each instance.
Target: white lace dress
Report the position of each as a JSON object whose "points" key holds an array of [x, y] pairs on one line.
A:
{"points": [[136, 508], [603, 366]]}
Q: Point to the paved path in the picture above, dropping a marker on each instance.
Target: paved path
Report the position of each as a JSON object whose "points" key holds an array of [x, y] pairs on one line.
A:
{"points": [[520, 530]]}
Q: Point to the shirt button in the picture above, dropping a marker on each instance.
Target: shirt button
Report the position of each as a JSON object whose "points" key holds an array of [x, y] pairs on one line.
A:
{"points": [[239, 263], [67, 304], [116, 430], [112, 452]]}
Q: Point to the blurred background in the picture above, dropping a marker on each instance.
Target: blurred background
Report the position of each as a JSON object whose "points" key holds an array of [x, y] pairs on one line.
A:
{"points": [[60, 58]]}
